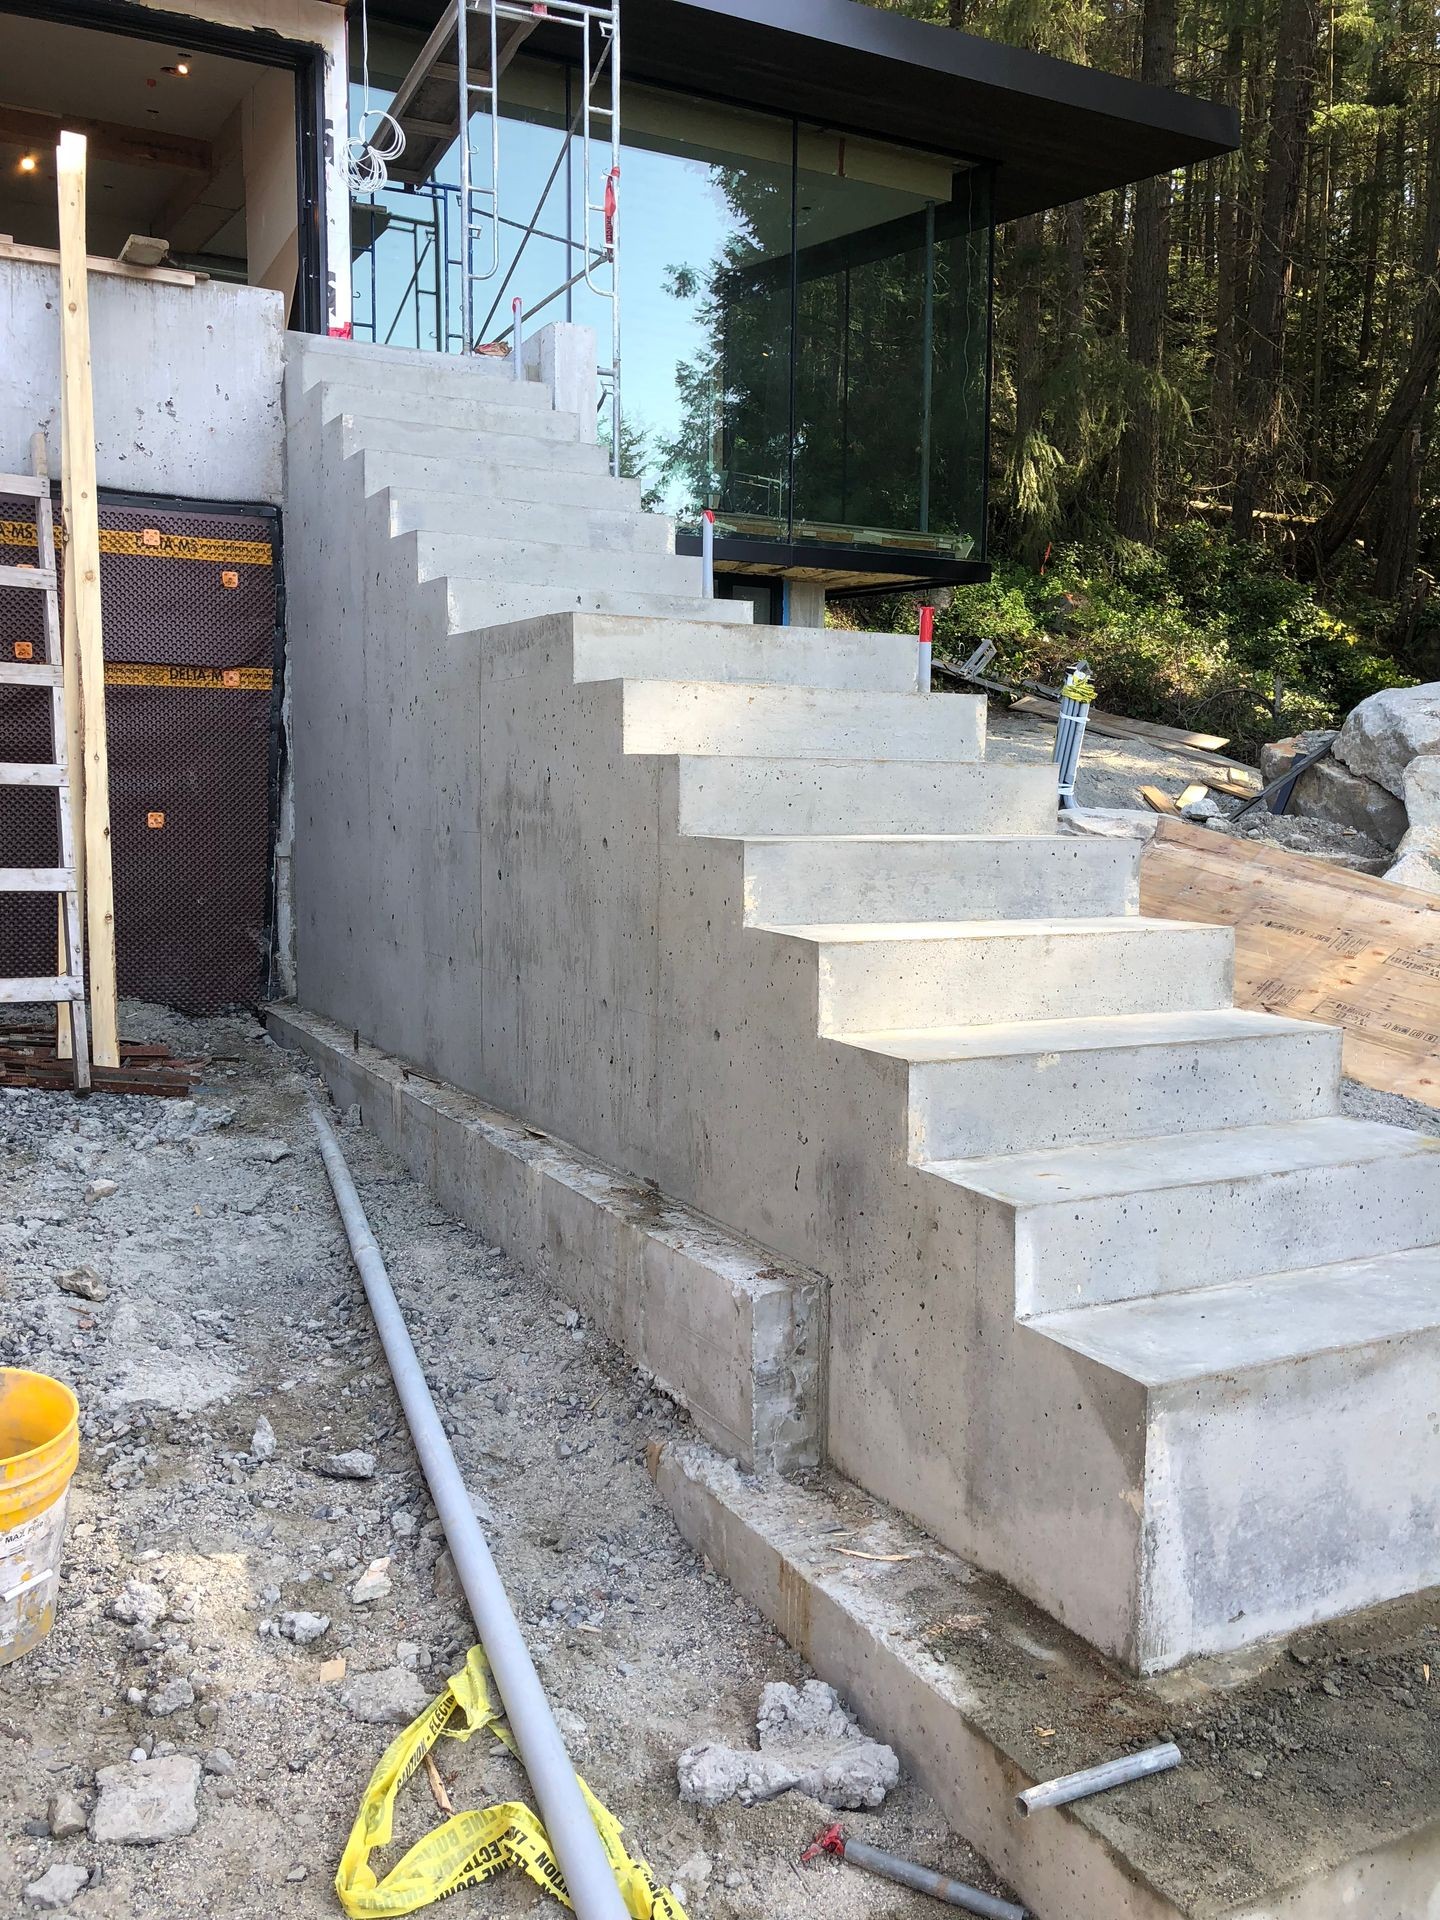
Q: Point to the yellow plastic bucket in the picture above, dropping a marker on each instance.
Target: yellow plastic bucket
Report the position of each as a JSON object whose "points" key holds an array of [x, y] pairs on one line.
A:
{"points": [[39, 1448]]}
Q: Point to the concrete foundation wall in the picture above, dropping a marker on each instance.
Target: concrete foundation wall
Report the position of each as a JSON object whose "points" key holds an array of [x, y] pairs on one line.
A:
{"points": [[188, 382]]}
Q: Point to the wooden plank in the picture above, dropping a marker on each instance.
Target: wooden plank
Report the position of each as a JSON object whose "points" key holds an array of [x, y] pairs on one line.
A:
{"points": [[43, 988], [1158, 800], [1317, 942], [30, 773], [34, 879], [29, 673], [1188, 796], [1126, 729], [82, 530], [25, 485], [37, 578], [97, 263], [1237, 789]]}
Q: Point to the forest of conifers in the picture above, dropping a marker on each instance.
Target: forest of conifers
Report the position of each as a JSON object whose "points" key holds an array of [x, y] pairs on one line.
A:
{"points": [[1215, 397]]}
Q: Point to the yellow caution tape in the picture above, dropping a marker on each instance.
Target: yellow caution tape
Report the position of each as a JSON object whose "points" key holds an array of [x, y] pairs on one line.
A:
{"points": [[1077, 687], [120, 673], [470, 1848], [162, 546]]}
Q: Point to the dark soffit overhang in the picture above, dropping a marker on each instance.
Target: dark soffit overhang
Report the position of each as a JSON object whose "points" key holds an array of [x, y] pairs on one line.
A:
{"points": [[1057, 131]]}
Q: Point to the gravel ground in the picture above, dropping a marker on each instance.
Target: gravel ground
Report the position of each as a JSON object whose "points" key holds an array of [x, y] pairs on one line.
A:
{"points": [[228, 1298]]}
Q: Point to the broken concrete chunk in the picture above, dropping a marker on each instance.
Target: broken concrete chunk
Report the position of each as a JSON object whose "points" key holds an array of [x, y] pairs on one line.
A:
{"points": [[392, 1697], [807, 1742], [138, 1604], [262, 1441], [143, 1802], [373, 1584], [57, 1887], [170, 1698], [101, 1189], [302, 1628], [353, 1465]]}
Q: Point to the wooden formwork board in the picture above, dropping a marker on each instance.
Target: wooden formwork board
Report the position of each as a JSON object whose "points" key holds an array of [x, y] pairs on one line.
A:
{"points": [[1316, 942]]}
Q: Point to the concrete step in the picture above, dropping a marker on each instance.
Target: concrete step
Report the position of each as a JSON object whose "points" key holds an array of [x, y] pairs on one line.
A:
{"points": [[1292, 1453], [717, 650], [317, 350], [690, 716], [502, 412], [479, 475], [745, 798], [1123, 1219], [938, 877], [477, 604], [505, 449], [1024, 1086], [475, 556], [423, 375], [889, 976], [618, 528]]}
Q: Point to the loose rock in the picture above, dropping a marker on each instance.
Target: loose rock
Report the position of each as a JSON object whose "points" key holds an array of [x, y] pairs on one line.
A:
{"points": [[807, 1742], [84, 1282], [66, 1816], [138, 1603], [58, 1887], [302, 1628], [353, 1465], [262, 1443], [373, 1584], [146, 1801], [170, 1698], [393, 1697]]}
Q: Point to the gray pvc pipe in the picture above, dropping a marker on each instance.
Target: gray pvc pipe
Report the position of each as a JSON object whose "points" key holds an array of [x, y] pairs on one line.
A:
{"points": [[954, 1893], [1114, 1773], [573, 1835]]}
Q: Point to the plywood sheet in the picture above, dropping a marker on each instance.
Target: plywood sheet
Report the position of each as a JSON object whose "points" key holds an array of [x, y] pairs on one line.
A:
{"points": [[1316, 942]]}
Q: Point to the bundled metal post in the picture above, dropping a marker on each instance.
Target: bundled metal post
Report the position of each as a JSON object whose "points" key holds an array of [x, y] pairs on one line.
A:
{"points": [[1075, 698]]}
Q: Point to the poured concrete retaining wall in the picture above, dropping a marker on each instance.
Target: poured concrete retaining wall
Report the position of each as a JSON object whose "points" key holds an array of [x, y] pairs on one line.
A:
{"points": [[735, 1335]]}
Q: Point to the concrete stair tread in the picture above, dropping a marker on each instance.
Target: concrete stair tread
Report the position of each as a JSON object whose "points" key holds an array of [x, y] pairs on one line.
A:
{"points": [[1168, 1339], [854, 933], [1056, 1177], [983, 1042]]}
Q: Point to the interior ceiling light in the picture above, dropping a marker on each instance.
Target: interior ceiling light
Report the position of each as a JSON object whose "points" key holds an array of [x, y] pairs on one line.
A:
{"points": [[179, 70], [28, 163]]}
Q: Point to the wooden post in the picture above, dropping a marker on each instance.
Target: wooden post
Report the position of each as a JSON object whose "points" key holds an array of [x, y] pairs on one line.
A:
{"points": [[82, 597]]}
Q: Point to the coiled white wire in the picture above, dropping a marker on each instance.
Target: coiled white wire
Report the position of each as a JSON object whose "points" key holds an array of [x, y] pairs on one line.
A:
{"points": [[367, 164]]}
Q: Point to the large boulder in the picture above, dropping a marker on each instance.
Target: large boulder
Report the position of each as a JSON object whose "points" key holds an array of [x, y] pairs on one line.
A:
{"points": [[1384, 733], [1278, 756], [1329, 791], [1417, 863]]}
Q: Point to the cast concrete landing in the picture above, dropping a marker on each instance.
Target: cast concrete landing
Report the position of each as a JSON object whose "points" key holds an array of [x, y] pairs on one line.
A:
{"points": [[1150, 1216], [606, 648], [1308, 1789], [1029, 1085]]}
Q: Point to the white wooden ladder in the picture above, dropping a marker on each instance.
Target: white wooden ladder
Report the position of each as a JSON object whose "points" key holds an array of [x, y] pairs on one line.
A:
{"points": [[67, 987]]}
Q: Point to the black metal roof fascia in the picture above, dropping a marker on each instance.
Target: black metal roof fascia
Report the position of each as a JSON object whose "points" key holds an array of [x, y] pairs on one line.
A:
{"points": [[1058, 131]]}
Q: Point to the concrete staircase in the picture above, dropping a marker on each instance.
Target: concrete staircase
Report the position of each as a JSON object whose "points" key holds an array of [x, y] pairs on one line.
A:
{"points": [[1120, 1305]]}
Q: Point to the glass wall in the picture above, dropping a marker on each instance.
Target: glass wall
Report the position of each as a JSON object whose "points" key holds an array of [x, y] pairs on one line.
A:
{"points": [[805, 313]]}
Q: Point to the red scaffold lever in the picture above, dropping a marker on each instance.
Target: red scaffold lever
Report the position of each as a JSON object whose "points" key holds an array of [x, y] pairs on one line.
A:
{"points": [[611, 205]]}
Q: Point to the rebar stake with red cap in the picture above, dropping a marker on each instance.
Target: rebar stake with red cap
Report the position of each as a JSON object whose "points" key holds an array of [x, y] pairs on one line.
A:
{"points": [[905, 1873]]}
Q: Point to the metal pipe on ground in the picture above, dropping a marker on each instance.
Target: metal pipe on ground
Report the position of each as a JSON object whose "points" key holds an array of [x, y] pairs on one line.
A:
{"points": [[578, 1847], [1113, 1773], [905, 1873]]}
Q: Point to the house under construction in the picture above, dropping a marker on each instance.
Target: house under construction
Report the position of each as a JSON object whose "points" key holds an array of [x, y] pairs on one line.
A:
{"points": [[512, 389]]}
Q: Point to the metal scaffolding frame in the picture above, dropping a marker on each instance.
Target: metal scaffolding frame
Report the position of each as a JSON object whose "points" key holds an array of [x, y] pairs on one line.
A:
{"points": [[454, 82]]}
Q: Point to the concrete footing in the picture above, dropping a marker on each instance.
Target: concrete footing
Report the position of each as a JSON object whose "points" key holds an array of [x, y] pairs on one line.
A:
{"points": [[735, 1335], [982, 1695]]}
